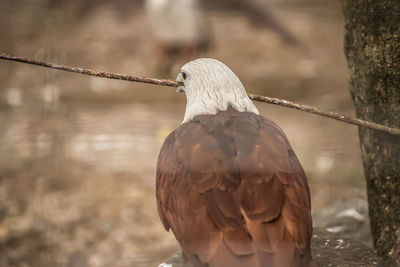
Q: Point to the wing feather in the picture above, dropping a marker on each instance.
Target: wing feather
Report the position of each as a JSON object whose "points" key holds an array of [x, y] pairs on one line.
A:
{"points": [[230, 187]]}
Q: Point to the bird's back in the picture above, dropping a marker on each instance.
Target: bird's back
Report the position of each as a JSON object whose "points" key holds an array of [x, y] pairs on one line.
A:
{"points": [[234, 193]]}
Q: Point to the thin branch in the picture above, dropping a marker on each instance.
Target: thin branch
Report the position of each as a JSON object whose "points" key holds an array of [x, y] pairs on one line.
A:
{"points": [[325, 113], [95, 73], [265, 99]]}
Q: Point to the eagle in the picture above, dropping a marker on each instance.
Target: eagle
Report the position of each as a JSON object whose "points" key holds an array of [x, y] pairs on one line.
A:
{"points": [[228, 183]]}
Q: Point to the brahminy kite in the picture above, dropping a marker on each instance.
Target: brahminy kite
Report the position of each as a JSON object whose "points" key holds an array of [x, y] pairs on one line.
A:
{"points": [[228, 183]]}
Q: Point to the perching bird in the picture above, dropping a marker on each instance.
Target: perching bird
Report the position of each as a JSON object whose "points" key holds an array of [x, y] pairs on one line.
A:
{"points": [[228, 184], [182, 31], [180, 28]]}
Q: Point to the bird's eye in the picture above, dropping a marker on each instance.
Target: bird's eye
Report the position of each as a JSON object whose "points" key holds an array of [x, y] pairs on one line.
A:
{"points": [[183, 75]]}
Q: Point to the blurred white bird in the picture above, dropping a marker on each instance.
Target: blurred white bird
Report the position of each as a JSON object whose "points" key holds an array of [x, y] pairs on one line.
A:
{"points": [[182, 30]]}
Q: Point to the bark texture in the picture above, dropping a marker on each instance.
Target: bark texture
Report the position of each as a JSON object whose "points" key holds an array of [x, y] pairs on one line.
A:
{"points": [[372, 48]]}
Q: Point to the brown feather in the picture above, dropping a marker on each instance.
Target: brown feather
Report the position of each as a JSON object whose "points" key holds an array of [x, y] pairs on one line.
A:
{"points": [[234, 193]]}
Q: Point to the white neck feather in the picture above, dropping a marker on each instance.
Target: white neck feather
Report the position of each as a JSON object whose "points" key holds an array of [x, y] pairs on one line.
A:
{"points": [[212, 102], [211, 87]]}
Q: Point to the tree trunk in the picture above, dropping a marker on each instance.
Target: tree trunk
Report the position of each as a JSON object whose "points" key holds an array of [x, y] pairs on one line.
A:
{"points": [[372, 48]]}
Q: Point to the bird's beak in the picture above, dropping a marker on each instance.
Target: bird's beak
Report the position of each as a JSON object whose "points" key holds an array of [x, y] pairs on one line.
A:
{"points": [[179, 79]]}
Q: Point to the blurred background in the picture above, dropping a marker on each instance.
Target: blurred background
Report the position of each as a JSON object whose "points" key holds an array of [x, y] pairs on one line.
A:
{"points": [[78, 154]]}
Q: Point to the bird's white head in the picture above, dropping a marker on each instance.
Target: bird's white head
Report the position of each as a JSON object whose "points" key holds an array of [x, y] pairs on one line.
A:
{"points": [[210, 86]]}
